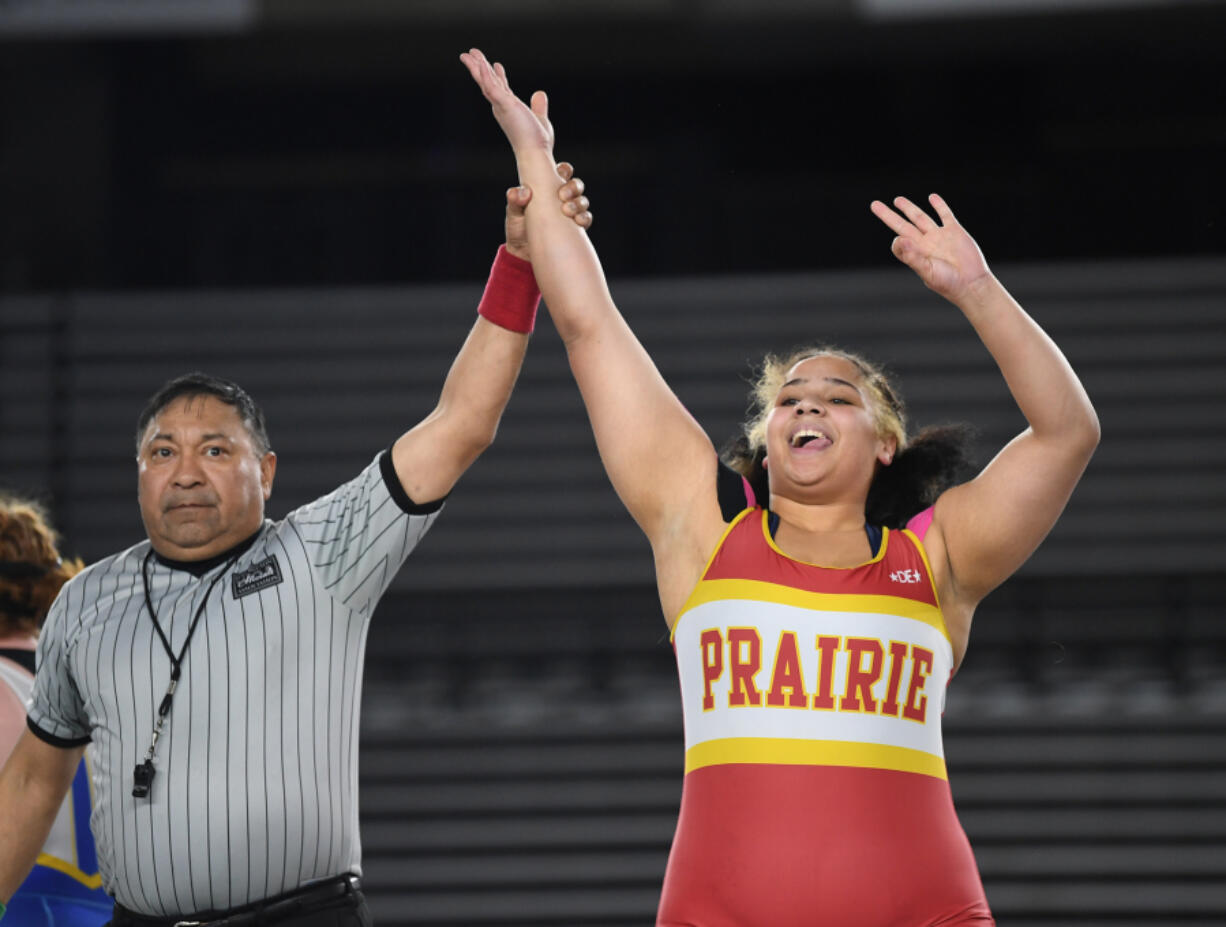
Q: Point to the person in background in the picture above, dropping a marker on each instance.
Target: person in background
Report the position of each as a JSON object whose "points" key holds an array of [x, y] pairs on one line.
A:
{"points": [[64, 889]]}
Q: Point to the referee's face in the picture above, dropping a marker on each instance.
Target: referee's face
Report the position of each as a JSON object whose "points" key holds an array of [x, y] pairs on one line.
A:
{"points": [[201, 486]]}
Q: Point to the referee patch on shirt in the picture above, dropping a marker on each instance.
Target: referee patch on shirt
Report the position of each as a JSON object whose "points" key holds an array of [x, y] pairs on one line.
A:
{"points": [[256, 577]]}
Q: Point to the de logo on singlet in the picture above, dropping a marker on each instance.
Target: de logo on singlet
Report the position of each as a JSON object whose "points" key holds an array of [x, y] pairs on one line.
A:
{"points": [[256, 577]]}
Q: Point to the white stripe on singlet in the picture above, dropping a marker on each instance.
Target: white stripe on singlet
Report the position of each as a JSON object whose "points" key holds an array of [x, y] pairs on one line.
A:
{"points": [[255, 790]]}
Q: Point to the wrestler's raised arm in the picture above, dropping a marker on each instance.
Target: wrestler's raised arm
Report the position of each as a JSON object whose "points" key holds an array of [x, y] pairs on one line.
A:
{"points": [[985, 529], [660, 461]]}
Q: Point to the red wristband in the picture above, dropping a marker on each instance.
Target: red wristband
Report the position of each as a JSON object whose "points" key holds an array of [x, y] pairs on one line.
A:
{"points": [[511, 294]]}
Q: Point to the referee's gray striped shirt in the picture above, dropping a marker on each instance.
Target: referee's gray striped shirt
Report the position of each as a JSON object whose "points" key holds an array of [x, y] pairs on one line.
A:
{"points": [[255, 791]]}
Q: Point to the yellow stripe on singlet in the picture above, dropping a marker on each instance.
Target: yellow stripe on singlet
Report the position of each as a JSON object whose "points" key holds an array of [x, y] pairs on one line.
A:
{"points": [[59, 865], [794, 752], [713, 590]]}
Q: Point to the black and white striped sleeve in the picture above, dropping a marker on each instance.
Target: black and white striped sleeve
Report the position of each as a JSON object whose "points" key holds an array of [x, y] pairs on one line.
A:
{"points": [[57, 712], [359, 535]]}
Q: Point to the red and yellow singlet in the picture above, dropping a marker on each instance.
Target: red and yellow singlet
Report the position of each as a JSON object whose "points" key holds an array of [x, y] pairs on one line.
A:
{"points": [[815, 788]]}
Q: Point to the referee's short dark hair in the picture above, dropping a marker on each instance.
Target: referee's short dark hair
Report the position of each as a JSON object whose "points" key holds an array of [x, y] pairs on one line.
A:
{"points": [[202, 384]]}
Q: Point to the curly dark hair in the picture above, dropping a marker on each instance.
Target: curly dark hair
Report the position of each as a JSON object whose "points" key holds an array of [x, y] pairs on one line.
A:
{"points": [[31, 568]]}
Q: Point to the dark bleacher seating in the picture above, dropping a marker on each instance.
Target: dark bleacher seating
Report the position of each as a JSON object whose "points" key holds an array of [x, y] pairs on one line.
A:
{"points": [[342, 372]]}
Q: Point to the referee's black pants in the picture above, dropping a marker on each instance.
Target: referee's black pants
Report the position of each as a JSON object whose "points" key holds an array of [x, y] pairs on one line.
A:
{"points": [[336, 902]]}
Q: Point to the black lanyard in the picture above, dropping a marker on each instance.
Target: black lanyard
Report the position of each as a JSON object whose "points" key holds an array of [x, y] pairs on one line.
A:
{"points": [[143, 776]]}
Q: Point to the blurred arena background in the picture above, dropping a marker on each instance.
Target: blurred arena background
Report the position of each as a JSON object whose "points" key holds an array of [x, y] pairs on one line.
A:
{"points": [[305, 196]]}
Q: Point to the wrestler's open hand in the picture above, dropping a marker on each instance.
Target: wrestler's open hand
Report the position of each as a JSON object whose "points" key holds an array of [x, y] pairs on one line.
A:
{"points": [[574, 204], [525, 127], [944, 256]]}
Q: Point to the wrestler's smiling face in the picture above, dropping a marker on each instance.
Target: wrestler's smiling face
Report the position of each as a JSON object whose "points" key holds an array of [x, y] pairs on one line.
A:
{"points": [[821, 433], [201, 482]]}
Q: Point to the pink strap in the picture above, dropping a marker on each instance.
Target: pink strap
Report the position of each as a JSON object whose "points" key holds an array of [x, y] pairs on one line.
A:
{"points": [[919, 524], [750, 499]]}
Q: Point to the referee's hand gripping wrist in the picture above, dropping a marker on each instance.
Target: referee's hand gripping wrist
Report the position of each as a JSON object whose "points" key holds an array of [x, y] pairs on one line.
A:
{"points": [[511, 295], [575, 206]]}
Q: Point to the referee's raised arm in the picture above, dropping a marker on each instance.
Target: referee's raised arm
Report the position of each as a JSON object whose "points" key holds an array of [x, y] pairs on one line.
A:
{"points": [[433, 455]]}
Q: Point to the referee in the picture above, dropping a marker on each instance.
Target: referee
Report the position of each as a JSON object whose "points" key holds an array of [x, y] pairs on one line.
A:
{"points": [[215, 668]]}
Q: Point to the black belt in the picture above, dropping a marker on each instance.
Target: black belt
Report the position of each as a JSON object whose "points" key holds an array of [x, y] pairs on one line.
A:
{"points": [[268, 911]]}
